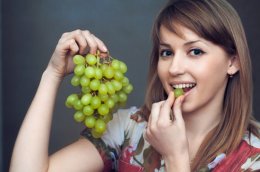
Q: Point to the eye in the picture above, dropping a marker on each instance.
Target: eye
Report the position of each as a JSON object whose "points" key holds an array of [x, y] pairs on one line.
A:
{"points": [[196, 52], [165, 53]]}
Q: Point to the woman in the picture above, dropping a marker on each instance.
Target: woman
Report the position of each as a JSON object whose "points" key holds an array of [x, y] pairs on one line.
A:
{"points": [[199, 46]]}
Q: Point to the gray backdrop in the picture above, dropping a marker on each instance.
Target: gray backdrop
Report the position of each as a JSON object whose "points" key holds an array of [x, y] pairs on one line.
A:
{"points": [[30, 30]]}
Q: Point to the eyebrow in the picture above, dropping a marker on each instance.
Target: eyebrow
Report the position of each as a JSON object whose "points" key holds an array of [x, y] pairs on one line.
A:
{"points": [[185, 44]]}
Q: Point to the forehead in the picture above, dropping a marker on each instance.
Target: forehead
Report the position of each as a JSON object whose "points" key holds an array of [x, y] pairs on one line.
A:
{"points": [[179, 33]]}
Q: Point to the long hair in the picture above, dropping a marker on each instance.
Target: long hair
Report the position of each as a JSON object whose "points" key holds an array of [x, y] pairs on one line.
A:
{"points": [[217, 22]]}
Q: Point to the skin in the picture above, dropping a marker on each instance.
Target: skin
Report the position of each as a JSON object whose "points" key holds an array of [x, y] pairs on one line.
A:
{"points": [[187, 59], [30, 152]]}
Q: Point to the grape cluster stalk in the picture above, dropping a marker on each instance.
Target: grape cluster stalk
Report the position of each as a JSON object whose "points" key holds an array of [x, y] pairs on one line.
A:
{"points": [[104, 88]]}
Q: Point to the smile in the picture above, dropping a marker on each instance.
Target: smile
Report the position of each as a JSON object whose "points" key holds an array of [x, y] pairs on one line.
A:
{"points": [[186, 87]]}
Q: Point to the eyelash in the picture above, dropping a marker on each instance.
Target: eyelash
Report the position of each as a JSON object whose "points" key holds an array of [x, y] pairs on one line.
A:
{"points": [[191, 52]]}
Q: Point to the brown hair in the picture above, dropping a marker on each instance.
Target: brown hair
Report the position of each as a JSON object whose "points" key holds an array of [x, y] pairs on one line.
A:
{"points": [[218, 22]]}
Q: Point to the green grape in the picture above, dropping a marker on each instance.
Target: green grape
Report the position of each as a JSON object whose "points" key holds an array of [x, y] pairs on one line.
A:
{"points": [[79, 70], [115, 64], [100, 126], [103, 97], [110, 103], [91, 59], [90, 121], [118, 75], [110, 88], [90, 72], [123, 67], [78, 105], [79, 116], [107, 118], [178, 92], [75, 80], [128, 89], [86, 99], [103, 109], [117, 85], [109, 72], [96, 134], [125, 81], [88, 110], [115, 98], [71, 99], [103, 67], [122, 97], [98, 73], [78, 59], [102, 89], [85, 90], [94, 84], [95, 102], [84, 81]]}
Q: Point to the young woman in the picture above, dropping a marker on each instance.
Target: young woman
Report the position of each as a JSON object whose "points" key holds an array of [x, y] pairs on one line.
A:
{"points": [[199, 46]]}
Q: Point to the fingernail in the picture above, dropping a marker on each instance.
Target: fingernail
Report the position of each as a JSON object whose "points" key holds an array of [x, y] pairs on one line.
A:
{"points": [[105, 48]]}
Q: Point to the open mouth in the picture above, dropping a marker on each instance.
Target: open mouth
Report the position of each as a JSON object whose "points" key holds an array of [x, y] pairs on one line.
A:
{"points": [[185, 87]]}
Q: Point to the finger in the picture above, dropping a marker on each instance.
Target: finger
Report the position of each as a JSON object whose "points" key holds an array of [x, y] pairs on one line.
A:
{"points": [[90, 41], [69, 46], [78, 37], [101, 46], [177, 109], [155, 111], [164, 118]]}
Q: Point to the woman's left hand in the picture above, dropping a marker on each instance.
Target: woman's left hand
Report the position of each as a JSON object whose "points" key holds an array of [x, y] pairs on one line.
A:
{"points": [[166, 131]]}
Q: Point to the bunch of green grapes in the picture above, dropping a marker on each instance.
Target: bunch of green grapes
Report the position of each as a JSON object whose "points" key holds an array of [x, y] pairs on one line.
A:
{"points": [[104, 87]]}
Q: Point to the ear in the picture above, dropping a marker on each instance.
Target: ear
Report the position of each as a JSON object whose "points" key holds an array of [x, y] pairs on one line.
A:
{"points": [[233, 66]]}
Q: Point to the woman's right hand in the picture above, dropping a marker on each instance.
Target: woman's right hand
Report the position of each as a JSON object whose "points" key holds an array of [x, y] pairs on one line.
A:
{"points": [[71, 43]]}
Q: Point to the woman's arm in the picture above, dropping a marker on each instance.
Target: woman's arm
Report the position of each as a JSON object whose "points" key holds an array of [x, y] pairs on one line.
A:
{"points": [[30, 152]]}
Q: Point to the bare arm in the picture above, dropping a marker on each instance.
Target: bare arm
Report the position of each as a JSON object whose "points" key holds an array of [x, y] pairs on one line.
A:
{"points": [[30, 152]]}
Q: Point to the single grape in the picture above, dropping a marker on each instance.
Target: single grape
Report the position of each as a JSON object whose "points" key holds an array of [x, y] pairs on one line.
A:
{"points": [[103, 109], [71, 99], [79, 116], [117, 85], [98, 73], [90, 121], [123, 67], [103, 97], [84, 81], [96, 134], [115, 98], [75, 80], [88, 110], [115, 64], [78, 59], [110, 103], [95, 102], [86, 99], [128, 89], [109, 72], [110, 88], [79, 70], [125, 81], [100, 126], [85, 90], [78, 105], [91, 59], [118, 75], [90, 72], [94, 84], [102, 89], [122, 97], [178, 92]]}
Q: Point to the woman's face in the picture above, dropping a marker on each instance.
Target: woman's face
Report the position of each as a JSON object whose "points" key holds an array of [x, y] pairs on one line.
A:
{"points": [[194, 64]]}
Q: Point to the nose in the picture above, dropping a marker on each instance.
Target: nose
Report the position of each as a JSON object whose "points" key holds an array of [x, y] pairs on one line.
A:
{"points": [[177, 66]]}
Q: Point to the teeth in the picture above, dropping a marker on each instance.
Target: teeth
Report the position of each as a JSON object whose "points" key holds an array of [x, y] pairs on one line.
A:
{"points": [[183, 85]]}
